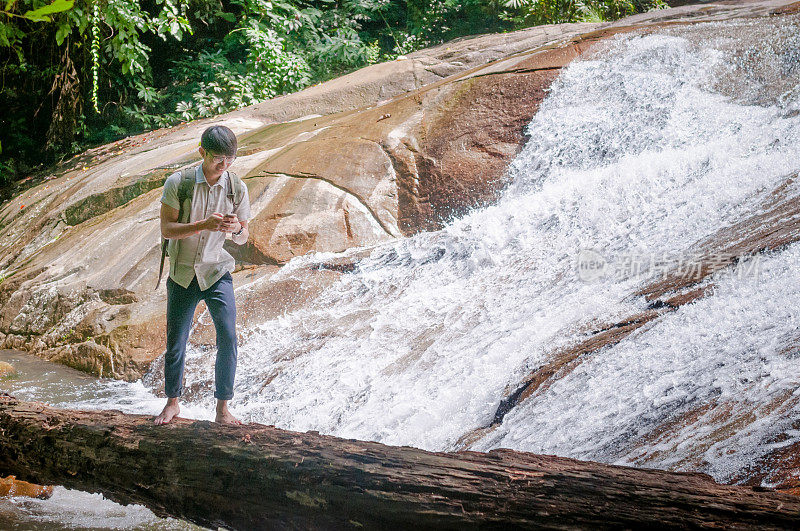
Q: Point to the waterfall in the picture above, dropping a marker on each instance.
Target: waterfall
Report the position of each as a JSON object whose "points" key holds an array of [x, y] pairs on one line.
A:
{"points": [[649, 144]]}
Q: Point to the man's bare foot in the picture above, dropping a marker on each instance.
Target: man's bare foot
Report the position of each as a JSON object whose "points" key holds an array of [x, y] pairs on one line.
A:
{"points": [[224, 416], [169, 412]]}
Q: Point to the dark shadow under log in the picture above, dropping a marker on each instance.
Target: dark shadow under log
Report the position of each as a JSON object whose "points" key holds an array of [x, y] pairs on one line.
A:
{"points": [[259, 477]]}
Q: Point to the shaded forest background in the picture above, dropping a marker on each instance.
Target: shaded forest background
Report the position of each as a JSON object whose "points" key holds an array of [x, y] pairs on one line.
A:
{"points": [[79, 73]]}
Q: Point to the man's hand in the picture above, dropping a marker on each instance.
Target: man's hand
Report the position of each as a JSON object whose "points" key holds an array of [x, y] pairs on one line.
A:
{"points": [[214, 223], [230, 223]]}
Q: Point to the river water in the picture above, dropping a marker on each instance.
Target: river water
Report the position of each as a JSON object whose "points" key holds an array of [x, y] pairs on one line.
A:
{"points": [[38, 380], [642, 148]]}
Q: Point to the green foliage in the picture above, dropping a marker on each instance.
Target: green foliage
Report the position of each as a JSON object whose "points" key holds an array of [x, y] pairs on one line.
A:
{"points": [[42, 14], [221, 85], [6, 172], [12, 35], [533, 12], [95, 51], [221, 80]]}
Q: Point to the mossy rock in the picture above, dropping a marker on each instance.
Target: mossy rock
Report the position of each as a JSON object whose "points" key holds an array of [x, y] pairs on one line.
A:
{"points": [[98, 204]]}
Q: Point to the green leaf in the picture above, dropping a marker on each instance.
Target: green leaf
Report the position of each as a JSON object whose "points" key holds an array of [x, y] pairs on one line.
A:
{"points": [[40, 15], [10, 4], [61, 34]]}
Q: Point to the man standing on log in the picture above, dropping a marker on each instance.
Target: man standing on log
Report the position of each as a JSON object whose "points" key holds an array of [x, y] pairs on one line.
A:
{"points": [[199, 207]]}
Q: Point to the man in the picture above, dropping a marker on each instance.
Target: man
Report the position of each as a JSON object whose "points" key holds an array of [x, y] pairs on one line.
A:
{"points": [[199, 269]]}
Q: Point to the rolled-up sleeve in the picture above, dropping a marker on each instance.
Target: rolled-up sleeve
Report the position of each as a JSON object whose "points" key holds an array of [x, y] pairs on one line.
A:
{"points": [[170, 195]]}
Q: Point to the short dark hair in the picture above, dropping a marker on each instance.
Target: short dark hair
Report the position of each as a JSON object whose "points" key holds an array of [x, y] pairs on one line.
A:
{"points": [[219, 140]]}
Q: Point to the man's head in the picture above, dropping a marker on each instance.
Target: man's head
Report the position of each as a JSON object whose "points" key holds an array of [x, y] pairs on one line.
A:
{"points": [[219, 140], [218, 147]]}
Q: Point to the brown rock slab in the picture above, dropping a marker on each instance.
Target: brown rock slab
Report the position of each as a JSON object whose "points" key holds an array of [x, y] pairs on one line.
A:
{"points": [[775, 224]]}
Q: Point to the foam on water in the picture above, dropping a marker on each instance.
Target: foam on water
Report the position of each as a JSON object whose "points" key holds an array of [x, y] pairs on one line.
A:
{"points": [[641, 149], [69, 509], [720, 373]]}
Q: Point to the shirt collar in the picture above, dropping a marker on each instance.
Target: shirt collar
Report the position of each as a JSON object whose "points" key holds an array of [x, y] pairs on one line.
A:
{"points": [[200, 177]]}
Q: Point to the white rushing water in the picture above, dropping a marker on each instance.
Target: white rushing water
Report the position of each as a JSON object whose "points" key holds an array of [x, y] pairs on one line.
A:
{"points": [[641, 149]]}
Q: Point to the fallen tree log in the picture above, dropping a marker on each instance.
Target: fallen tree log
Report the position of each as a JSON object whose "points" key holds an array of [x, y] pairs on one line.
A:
{"points": [[259, 477]]}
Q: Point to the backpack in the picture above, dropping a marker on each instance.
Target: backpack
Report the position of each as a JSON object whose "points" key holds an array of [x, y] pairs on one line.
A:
{"points": [[185, 193]]}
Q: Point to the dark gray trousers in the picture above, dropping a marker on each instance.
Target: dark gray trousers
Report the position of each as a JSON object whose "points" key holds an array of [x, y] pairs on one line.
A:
{"points": [[181, 303]]}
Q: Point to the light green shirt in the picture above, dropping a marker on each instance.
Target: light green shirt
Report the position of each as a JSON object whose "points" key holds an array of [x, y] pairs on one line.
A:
{"points": [[201, 255]]}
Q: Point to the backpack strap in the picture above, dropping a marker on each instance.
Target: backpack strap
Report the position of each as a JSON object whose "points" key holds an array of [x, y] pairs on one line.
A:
{"points": [[185, 191], [236, 190]]}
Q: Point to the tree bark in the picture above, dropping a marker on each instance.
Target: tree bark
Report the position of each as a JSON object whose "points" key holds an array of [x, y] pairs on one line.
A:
{"points": [[260, 477]]}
